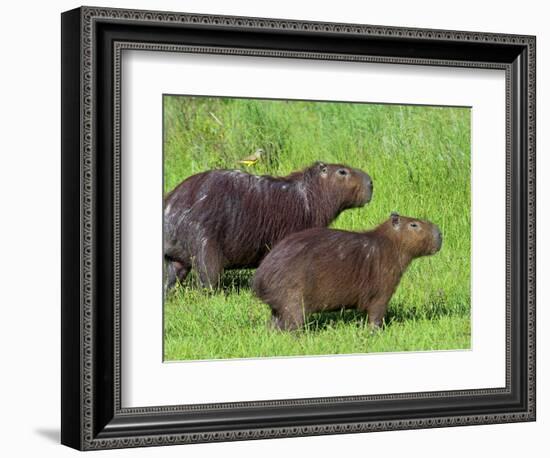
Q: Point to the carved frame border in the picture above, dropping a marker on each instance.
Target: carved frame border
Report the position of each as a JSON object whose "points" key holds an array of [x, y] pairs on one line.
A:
{"points": [[89, 15]]}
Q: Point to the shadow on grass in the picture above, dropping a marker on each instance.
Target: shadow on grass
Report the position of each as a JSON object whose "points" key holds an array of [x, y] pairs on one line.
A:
{"points": [[437, 307], [233, 281], [396, 314], [238, 280], [326, 320]]}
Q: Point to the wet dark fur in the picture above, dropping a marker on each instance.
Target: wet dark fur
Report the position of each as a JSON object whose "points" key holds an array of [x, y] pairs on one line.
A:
{"points": [[325, 269], [224, 219]]}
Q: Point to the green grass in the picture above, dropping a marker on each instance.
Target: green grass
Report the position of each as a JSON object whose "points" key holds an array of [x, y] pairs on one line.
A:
{"points": [[419, 159]]}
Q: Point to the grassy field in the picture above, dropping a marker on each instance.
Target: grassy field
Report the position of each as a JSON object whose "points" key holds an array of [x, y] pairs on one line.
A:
{"points": [[419, 160]]}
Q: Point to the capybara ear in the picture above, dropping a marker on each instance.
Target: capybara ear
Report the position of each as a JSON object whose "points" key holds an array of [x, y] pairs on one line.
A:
{"points": [[395, 219], [322, 167]]}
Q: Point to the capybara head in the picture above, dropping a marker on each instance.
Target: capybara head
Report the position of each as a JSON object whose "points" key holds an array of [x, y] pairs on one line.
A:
{"points": [[351, 187], [414, 236]]}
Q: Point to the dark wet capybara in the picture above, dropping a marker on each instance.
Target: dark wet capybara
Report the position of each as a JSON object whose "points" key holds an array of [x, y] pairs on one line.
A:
{"points": [[223, 219], [325, 269]]}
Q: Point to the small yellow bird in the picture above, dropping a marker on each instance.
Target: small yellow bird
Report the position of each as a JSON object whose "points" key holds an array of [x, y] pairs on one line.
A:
{"points": [[253, 158]]}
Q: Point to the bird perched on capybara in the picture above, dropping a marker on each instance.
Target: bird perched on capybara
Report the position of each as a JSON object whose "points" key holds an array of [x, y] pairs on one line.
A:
{"points": [[253, 158], [325, 269], [223, 219]]}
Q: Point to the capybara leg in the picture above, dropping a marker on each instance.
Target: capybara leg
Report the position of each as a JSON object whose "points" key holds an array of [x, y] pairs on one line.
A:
{"points": [[181, 270], [288, 319], [174, 271], [376, 315], [210, 264], [169, 276]]}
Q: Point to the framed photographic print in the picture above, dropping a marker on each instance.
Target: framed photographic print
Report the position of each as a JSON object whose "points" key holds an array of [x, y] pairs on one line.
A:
{"points": [[277, 228]]}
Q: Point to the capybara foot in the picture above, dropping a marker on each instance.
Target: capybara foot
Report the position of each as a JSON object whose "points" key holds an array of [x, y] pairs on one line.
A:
{"points": [[286, 323], [374, 329]]}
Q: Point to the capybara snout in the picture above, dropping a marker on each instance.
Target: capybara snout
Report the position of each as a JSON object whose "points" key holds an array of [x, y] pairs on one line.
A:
{"points": [[369, 187], [438, 236], [365, 190], [325, 269]]}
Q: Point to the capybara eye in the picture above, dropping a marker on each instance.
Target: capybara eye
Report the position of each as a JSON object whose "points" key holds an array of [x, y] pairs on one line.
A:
{"points": [[413, 225], [343, 172]]}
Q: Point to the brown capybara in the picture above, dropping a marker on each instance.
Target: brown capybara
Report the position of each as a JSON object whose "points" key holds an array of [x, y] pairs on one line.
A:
{"points": [[325, 269], [223, 219]]}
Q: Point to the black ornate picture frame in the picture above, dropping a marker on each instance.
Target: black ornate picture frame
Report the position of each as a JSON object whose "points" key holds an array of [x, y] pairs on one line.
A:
{"points": [[92, 42]]}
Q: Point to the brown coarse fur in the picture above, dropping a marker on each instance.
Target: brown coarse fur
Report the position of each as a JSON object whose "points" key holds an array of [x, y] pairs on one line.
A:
{"points": [[325, 269], [225, 219]]}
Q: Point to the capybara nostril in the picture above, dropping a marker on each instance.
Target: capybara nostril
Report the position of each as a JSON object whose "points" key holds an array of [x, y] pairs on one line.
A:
{"points": [[438, 236], [368, 186]]}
